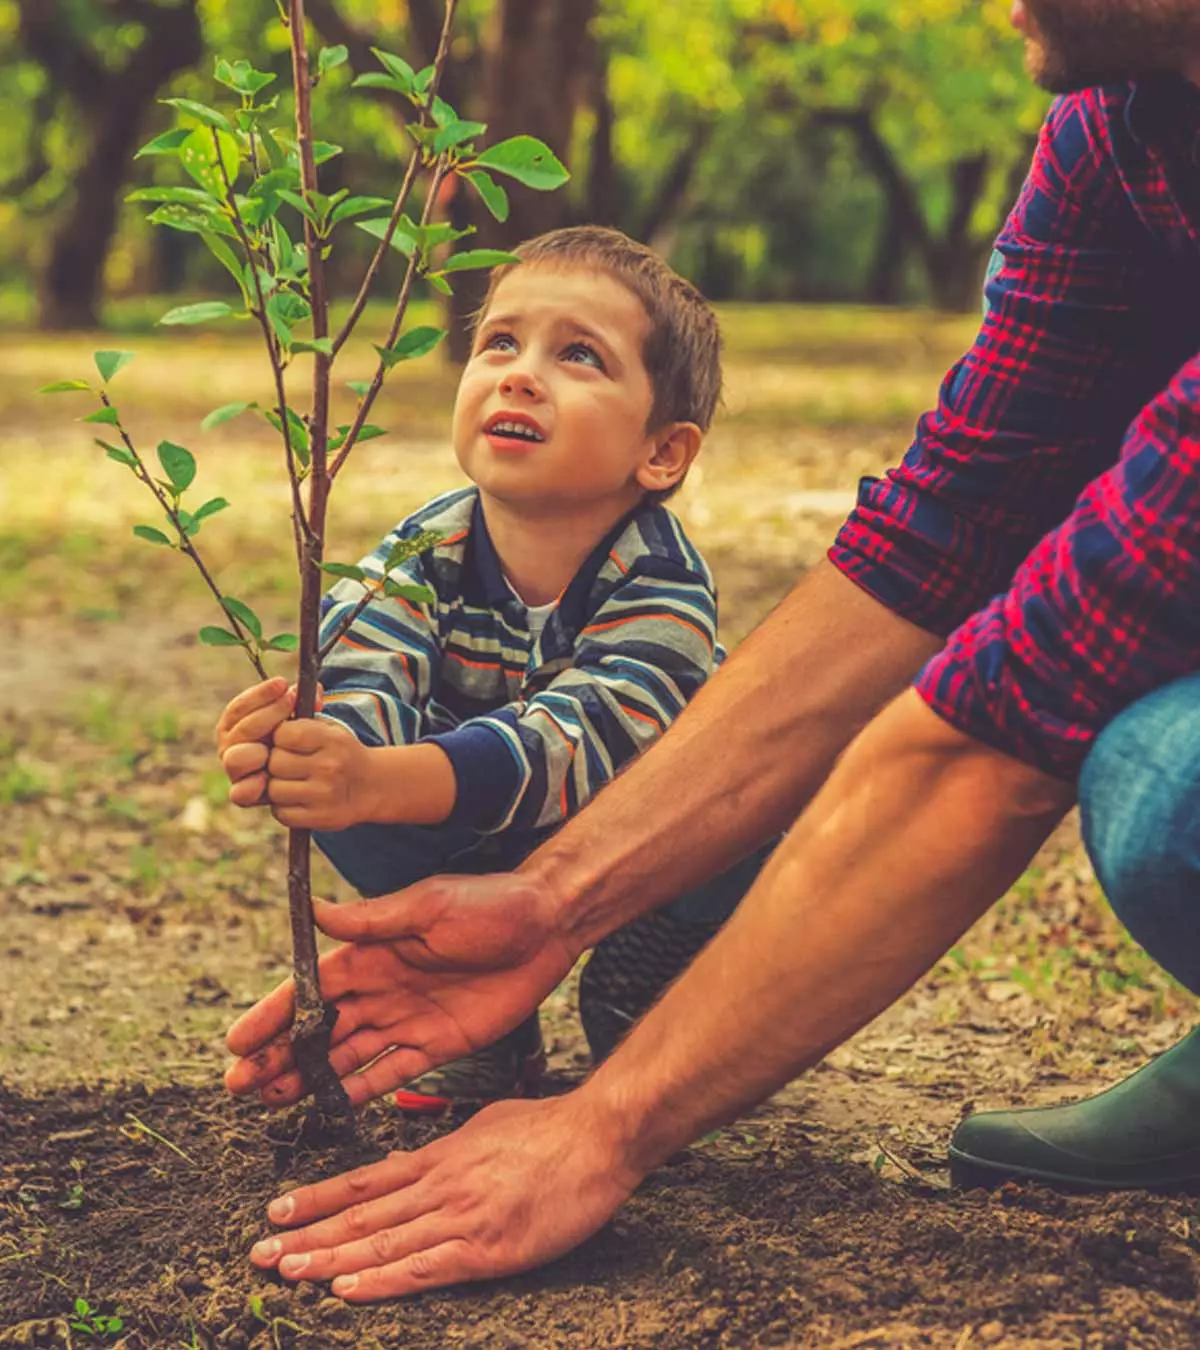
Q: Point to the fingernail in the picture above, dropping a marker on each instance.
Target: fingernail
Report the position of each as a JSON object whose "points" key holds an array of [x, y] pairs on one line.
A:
{"points": [[345, 1284], [281, 1210], [267, 1250], [292, 1266]]}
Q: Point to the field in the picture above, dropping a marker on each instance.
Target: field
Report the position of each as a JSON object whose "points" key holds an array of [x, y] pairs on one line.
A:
{"points": [[140, 913]]}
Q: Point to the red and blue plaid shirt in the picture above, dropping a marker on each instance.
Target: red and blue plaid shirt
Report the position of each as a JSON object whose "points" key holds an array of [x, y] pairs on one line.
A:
{"points": [[1047, 516]]}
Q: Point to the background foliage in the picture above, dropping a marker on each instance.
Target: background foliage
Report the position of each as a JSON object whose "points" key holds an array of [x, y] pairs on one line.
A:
{"points": [[775, 149]]}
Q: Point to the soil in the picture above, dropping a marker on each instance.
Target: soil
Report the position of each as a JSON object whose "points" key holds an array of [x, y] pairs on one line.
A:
{"points": [[139, 914], [147, 1195]]}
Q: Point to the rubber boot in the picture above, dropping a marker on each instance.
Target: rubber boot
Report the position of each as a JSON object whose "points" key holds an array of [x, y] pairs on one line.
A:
{"points": [[1142, 1134]]}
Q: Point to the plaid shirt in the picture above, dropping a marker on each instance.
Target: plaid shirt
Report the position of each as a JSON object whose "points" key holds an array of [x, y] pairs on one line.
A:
{"points": [[533, 727], [1047, 516]]}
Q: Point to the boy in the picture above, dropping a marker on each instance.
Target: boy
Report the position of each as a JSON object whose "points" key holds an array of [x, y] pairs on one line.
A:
{"points": [[572, 623]]}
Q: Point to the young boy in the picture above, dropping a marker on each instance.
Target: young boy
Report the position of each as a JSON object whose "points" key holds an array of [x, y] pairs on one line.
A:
{"points": [[573, 621]]}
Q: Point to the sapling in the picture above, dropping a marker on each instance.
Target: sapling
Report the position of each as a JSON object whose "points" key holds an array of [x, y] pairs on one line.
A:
{"points": [[250, 176]]}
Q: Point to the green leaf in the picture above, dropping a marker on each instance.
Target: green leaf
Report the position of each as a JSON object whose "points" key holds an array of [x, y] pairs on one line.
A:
{"points": [[241, 77], [201, 313], [178, 464], [443, 114], [151, 535], [367, 433], [402, 240], [298, 433], [118, 453], [210, 508], [219, 637], [475, 258], [82, 1307], [199, 156], [375, 80], [423, 79], [359, 387], [494, 196], [176, 196], [282, 642], [176, 217], [109, 363], [66, 387], [107, 416], [225, 256], [200, 111], [306, 209], [344, 570], [285, 310], [219, 416], [415, 595], [416, 342], [357, 206], [398, 68], [322, 345], [526, 159], [404, 549], [439, 284], [332, 57], [166, 144], [244, 615], [324, 151]]}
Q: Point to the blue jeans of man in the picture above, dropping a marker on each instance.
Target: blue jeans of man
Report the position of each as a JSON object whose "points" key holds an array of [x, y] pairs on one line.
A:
{"points": [[1139, 798]]}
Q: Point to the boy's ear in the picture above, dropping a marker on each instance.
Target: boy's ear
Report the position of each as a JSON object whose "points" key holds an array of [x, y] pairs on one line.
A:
{"points": [[675, 446]]}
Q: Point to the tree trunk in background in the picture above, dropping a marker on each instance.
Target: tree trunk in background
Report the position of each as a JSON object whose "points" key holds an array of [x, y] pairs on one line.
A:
{"points": [[114, 104], [953, 260], [538, 55]]}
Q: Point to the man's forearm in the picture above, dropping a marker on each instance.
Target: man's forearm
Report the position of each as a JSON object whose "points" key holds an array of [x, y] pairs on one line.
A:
{"points": [[742, 761], [918, 830]]}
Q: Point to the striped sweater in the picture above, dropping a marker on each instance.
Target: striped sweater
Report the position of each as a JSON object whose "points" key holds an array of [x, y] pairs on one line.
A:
{"points": [[533, 728]]}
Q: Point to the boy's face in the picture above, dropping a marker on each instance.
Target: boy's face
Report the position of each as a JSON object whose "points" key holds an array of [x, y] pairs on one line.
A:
{"points": [[553, 405]]}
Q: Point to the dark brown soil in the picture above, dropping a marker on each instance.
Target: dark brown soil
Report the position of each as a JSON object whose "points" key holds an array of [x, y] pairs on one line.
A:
{"points": [[140, 1201]]}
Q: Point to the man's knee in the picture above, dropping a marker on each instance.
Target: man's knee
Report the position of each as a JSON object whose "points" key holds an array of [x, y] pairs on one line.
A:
{"points": [[1139, 798]]}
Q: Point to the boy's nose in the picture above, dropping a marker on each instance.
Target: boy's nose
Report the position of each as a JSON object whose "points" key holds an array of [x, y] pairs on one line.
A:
{"points": [[521, 382]]}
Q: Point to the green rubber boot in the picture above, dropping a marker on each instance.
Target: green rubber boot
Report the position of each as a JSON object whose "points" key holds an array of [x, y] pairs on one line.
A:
{"points": [[1142, 1134]]}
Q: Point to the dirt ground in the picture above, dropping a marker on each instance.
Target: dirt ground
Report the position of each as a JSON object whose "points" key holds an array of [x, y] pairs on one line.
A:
{"points": [[139, 914]]}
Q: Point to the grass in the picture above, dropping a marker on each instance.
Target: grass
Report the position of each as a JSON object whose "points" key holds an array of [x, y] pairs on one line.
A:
{"points": [[113, 804]]}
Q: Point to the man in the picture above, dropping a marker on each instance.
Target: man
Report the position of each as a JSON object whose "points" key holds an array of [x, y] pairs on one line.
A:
{"points": [[1059, 475]]}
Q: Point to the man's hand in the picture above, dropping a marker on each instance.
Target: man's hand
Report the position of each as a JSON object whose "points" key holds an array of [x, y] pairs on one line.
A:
{"points": [[427, 976], [518, 1185]]}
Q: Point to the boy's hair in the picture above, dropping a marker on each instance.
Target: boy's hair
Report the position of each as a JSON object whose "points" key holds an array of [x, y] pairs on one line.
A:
{"points": [[682, 353]]}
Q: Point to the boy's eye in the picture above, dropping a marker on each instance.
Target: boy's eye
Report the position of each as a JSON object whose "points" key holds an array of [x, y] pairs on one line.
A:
{"points": [[500, 342], [582, 354]]}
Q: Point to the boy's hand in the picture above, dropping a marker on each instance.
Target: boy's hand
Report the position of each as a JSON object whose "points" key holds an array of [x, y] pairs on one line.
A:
{"points": [[320, 777], [244, 731]]}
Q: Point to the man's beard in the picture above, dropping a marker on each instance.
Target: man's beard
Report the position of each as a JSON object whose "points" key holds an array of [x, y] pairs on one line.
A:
{"points": [[1074, 44]]}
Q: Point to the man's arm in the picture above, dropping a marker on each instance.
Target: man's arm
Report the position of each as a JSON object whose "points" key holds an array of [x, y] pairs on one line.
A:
{"points": [[917, 831], [740, 763]]}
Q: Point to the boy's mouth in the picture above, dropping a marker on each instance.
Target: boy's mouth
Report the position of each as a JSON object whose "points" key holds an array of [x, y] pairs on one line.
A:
{"points": [[513, 430]]}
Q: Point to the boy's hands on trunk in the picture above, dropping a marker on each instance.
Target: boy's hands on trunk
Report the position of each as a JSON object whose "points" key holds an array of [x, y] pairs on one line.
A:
{"points": [[314, 774]]}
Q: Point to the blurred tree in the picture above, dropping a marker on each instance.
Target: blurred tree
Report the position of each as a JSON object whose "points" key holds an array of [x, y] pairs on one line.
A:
{"points": [[756, 105], [776, 149], [106, 59]]}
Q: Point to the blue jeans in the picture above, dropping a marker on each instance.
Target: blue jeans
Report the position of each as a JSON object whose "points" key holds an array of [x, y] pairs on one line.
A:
{"points": [[1139, 796], [379, 859]]}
